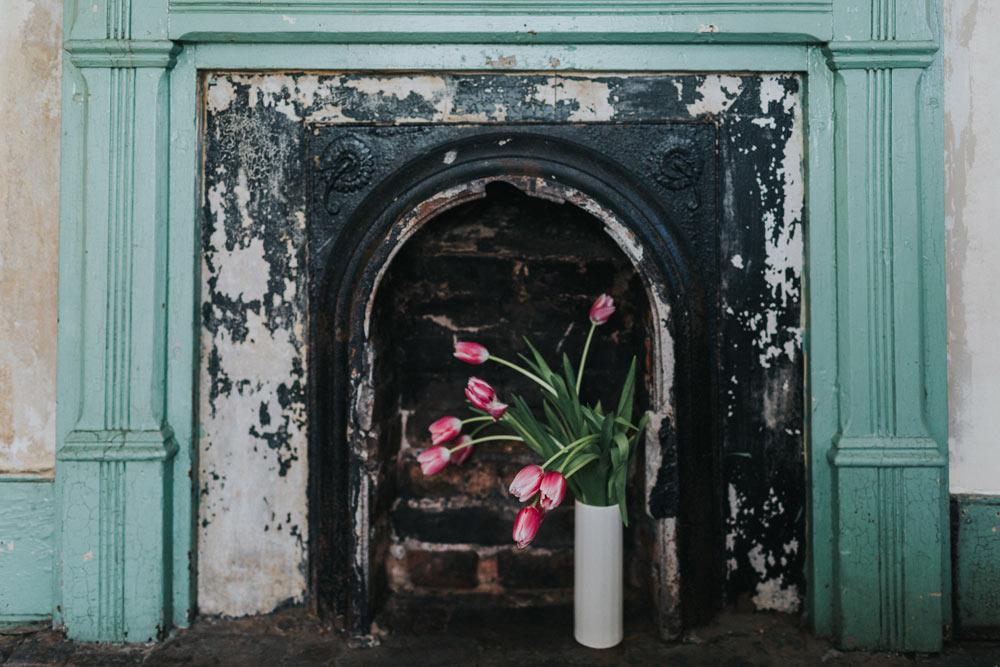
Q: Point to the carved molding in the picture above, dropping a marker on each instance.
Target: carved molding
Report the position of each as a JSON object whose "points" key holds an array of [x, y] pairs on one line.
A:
{"points": [[548, 7], [86, 53], [123, 445], [881, 54]]}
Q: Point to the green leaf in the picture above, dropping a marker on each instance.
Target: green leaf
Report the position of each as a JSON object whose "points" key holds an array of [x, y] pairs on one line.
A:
{"points": [[628, 395], [570, 375], [579, 463], [543, 367], [621, 444]]}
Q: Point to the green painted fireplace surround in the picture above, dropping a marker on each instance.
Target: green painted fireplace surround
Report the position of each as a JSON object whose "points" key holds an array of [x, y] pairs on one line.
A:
{"points": [[124, 504]]}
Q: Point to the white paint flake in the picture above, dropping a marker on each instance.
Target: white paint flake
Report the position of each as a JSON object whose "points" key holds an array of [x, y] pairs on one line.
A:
{"points": [[220, 94], [773, 596], [716, 94]]}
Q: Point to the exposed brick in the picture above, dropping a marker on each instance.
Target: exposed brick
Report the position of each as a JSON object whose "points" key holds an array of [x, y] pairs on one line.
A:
{"points": [[529, 568], [481, 524], [486, 474], [443, 569], [465, 525], [493, 271]]}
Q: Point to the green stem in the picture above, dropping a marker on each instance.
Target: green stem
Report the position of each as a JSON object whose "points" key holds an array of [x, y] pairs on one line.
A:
{"points": [[575, 444], [486, 439], [545, 385], [583, 358], [472, 420]]}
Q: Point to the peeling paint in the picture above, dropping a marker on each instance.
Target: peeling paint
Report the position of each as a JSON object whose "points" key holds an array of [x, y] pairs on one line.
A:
{"points": [[716, 94], [255, 293]]}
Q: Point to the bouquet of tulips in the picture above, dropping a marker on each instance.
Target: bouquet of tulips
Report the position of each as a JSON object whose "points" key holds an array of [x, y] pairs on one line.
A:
{"points": [[586, 447]]}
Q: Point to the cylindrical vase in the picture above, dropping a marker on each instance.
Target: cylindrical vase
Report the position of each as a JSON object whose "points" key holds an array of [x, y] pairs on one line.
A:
{"points": [[597, 576]]}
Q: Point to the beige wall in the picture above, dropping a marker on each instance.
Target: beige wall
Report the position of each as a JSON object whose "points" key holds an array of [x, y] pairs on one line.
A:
{"points": [[972, 146], [29, 175], [29, 153]]}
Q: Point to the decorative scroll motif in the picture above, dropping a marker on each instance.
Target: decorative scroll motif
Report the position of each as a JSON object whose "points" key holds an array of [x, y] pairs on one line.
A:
{"points": [[676, 167], [347, 164]]}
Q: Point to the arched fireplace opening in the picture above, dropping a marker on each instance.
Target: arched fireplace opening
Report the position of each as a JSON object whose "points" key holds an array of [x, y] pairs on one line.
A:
{"points": [[492, 256], [492, 270]]}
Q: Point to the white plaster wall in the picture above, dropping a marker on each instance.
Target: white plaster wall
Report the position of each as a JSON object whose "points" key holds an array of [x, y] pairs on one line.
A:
{"points": [[972, 165], [30, 36]]}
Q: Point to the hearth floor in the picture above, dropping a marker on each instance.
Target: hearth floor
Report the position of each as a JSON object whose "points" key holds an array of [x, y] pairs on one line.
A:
{"points": [[507, 637]]}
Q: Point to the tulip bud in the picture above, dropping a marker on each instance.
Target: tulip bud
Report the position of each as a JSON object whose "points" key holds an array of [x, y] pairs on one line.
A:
{"points": [[602, 310], [553, 489], [458, 456], [526, 482], [445, 429], [526, 525], [471, 353], [496, 409], [433, 460], [480, 393]]}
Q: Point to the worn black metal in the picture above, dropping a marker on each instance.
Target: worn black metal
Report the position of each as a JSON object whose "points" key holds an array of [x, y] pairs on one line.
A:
{"points": [[357, 226]]}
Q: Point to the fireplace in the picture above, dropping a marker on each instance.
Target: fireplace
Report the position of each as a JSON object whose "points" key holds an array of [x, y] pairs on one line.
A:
{"points": [[356, 225], [214, 153]]}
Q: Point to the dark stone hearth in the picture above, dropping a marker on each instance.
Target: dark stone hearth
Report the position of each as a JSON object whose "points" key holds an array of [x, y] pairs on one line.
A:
{"points": [[541, 636]]}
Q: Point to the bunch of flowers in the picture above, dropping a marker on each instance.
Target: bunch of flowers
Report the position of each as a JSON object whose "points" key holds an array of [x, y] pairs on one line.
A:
{"points": [[585, 447]]}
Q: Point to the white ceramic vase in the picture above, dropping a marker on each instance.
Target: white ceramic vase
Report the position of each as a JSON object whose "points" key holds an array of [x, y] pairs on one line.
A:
{"points": [[597, 576]]}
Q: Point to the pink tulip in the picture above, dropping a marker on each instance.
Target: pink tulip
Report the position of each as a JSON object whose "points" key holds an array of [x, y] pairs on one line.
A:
{"points": [[445, 429], [434, 460], [458, 456], [553, 490], [526, 525], [480, 393], [496, 409], [602, 310], [526, 482], [471, 353]]}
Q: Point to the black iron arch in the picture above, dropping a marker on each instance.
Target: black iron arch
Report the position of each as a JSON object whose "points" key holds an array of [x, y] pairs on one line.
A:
{"points": [[355, 237]]}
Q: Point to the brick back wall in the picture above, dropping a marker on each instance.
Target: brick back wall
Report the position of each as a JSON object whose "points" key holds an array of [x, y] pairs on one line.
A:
{"points": [[492, 271]]}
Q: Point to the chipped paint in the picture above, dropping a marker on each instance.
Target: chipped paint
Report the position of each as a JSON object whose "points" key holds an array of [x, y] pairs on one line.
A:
{"points": [[255, 303], [715, 95]]}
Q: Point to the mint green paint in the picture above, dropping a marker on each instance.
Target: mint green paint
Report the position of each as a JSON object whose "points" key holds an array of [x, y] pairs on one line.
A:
{"points": [[820, 340], [27, 523], [875, 341], [114, 456], [977, 577], [890, 585], [506, 22]]}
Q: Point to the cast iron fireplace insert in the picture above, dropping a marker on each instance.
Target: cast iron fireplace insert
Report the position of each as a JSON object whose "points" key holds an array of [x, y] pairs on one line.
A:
{"points": [[373, 187]]}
